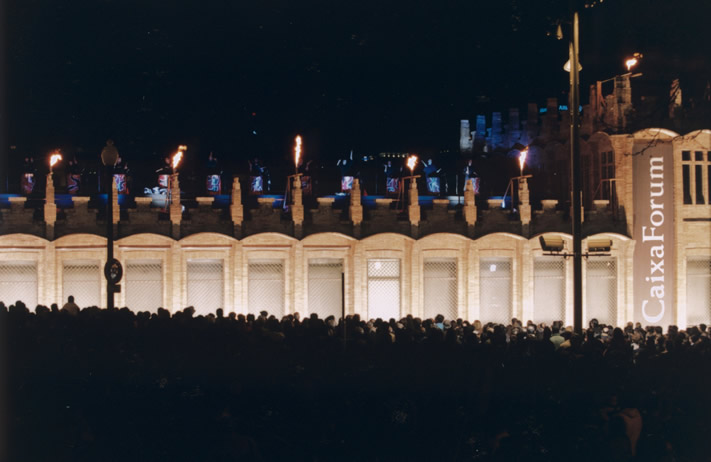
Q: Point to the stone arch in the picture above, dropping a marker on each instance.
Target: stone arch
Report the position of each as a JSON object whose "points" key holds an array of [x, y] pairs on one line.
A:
{"points": [[33, 255], [655, 133]]}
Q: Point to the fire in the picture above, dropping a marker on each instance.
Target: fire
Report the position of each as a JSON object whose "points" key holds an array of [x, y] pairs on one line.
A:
{"points": [[411, 162], [297, 150], [522, 159], [54, 158], [630, 63], [178, 156]]}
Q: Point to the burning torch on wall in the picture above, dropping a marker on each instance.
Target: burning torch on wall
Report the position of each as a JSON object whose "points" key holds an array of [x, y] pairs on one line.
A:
{"points": [[53, 159], [178, 156], [297, 153], [411, 163], [522, 159]]}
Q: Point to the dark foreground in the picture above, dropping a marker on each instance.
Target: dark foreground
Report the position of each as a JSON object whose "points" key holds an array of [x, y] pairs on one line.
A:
{"points": [[105, 386]]}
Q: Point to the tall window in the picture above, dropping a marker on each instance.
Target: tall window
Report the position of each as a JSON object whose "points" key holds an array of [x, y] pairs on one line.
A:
{"points": [[440, 288], [698, 290], [18, 281], [495, 299], [607, 174], [206, 288], [325, 294], [266, 287], [144, 285], [695, 173], [601, 290], [548, 289], [384, 288], [82, 279]]}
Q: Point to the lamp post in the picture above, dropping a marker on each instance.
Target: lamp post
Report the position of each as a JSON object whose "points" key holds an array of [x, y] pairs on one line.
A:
{"points": [[112, 270], [576, 178]]}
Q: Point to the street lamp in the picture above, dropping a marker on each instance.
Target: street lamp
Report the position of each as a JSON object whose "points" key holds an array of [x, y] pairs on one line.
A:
{"points": [[573, 67], [113, 271]]}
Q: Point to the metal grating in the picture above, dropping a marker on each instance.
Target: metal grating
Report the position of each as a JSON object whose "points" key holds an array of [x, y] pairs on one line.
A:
{"points": [[698, 291], [383, 288], [266, 287], [144, 285], [82, 279], [549, 289], [440, 288], [601, 290], [495, 300], [325, 297], [18, 281], [206, 287]]}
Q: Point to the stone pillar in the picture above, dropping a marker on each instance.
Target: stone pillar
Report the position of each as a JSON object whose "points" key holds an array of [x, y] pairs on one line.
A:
{"points": [[524, 204], [355, 212], [297, 207], [413, 209], [469, 207], [236, 209], [50, 208], [176, 210]]}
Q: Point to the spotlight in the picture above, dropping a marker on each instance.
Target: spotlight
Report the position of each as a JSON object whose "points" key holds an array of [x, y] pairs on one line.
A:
{"points": [[599, 245], [552, 243]]}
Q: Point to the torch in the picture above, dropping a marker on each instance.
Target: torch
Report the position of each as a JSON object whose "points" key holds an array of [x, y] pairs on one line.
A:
{"points": [[53, 159], [411, 162], [178, 156], [297, 153], [522, 159]]}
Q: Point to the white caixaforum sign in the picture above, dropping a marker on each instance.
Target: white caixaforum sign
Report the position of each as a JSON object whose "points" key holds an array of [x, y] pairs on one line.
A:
{"points": [[653, 233]]}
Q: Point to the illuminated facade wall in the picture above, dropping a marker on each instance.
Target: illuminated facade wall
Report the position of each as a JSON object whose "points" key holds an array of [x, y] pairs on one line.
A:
{"points": [[493, 277], [496, 277]]}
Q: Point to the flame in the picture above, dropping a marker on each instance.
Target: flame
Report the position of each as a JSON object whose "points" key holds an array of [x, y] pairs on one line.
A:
{"points": [[178, 156], [411, 162], [54, 158], [297, 150], [522, 159], [630, 63]]}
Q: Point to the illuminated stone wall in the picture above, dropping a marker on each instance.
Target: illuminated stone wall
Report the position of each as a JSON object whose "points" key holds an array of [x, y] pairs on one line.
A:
{"points": [[235, 255]]}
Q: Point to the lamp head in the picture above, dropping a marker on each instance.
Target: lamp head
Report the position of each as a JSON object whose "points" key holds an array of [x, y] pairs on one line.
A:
{"points": [[109, 155], [552, 243], [599, 245]]}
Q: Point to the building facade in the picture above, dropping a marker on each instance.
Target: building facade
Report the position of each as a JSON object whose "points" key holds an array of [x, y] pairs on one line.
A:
{"points": [[459, 257]]}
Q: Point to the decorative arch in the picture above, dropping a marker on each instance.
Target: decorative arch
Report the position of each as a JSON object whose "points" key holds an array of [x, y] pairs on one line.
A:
{"points": [[658, 133]]}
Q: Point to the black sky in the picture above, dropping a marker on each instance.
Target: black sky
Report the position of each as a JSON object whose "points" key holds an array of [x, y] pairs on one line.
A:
{"points": [[370, 75]]}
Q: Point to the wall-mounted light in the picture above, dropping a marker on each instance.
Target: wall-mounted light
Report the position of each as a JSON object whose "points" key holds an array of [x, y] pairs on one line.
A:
{"points": [[599, 245], [552, 243]]}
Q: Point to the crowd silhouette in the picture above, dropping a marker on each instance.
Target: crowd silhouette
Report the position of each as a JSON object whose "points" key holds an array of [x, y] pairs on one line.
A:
{"points": [[96, 384]]}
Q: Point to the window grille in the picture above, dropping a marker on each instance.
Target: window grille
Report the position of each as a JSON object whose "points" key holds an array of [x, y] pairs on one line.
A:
{"points": [[601, 290], [18, 281], [325, 297], [383, 288], [206, 288], [82, 279], [144, 285], [495, 300], [440, 288], [266, 287], [549, 289], [698, 291]]}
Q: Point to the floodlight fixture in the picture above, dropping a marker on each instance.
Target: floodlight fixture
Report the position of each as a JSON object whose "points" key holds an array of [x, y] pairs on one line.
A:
{"points": [[599, 245], [553, 244]]}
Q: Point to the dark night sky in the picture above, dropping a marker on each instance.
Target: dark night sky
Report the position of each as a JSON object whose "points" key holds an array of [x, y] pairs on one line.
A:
{"points": [[372, 75]]}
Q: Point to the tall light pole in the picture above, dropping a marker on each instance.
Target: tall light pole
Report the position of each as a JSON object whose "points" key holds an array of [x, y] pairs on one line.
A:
{"points": [[112, 270], [574, 103]]}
